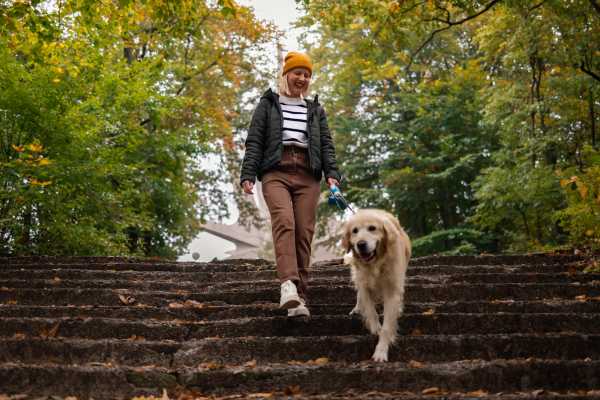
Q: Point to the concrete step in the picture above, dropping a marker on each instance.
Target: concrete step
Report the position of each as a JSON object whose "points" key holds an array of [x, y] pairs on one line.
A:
{"points": [[172, 283], [119, 263], [327, 294], [331, 377], [415, 324], [242, 271], [138, 352], [193, 311]]}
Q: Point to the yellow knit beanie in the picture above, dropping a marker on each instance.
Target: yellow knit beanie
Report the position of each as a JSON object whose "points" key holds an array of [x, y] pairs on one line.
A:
{"points": [[294, 59]]}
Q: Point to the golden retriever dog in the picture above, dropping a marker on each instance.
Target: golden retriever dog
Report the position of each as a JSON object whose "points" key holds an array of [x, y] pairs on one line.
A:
{"points": [[380, 250]]}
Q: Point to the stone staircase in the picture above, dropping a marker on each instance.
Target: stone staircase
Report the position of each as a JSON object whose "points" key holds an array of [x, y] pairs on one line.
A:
{"points": [[501, 327]]}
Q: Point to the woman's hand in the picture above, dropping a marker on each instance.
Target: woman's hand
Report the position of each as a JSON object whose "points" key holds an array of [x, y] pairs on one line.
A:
{"points": [[332, 181], [248, 186]]}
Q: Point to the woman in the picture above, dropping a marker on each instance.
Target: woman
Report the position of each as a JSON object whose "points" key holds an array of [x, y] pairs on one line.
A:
{"points": [[289, 148]]}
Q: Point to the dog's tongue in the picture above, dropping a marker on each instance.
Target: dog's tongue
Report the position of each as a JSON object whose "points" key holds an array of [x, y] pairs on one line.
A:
{"points": [[367, 256]]}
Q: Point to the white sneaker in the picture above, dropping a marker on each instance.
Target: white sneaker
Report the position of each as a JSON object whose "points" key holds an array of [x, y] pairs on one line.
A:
{"points": [[300, 311], [289, 295]]}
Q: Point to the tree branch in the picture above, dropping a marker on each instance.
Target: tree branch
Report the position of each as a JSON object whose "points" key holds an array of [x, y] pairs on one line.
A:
{"points": [[589, 71], [449, 23]]}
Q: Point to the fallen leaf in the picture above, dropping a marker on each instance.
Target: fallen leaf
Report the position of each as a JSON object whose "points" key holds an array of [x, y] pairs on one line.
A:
{"points": [[507, 301], [415, 364], [210, 365], [56, 280], [292, 390], [583, 298], [321, 361], [250, 364], [127, 300], [45, 334], [136, 338], [431, 390], [194, 304], [176, 305], [19, 336], [538, 392], [259, 395], [478, 393], [431, 311]]}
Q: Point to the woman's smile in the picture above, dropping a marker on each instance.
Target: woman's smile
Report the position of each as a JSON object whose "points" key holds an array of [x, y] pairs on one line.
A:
{"points": [[298, 80]]}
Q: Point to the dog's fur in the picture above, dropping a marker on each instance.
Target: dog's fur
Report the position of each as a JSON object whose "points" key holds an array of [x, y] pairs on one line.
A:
{"points": [[379, 259]]}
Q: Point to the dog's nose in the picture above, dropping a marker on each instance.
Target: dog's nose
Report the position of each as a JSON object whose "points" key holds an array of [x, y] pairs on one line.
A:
{"points": [[362, 245]]}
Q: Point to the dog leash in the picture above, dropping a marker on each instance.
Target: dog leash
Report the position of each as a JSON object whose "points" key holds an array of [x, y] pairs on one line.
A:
{"points": [[336, 198]]}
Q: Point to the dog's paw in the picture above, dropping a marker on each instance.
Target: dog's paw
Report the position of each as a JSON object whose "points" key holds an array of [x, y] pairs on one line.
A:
{"points": [[380, 355], [355, 311]]}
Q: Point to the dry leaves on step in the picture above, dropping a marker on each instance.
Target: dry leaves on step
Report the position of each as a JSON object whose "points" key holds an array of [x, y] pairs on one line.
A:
{"points": [[127, 300], [164, 396], [259, 395], [415, 364], [292, 390], [538, 392], [478, 393], [431, 311], [242, 368], [316, 361], [187, 304], [210, 365], [431, 390], [56, 280], [49, 333]]}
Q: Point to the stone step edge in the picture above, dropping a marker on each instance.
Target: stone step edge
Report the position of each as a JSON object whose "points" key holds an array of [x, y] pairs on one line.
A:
{"points": [[178, 321], [196, 341], [227, 268], [209, 378]]}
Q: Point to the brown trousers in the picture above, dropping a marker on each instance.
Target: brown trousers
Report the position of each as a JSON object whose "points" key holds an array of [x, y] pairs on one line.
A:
{"points": [[292, 193]]}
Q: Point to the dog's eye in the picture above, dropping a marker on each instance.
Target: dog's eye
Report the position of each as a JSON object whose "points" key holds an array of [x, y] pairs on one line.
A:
{"points": [[355, 230], [371, 228]]}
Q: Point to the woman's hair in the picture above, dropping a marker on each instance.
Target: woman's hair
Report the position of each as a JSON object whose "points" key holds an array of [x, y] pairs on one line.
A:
{"points": [[282, 85]]}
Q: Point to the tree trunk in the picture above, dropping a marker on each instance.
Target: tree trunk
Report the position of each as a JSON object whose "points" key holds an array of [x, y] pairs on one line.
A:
{"points": [[592, 118]]}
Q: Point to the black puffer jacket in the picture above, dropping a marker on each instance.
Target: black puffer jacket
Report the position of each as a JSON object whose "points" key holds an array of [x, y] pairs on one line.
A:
{"points": [[264, 143]]}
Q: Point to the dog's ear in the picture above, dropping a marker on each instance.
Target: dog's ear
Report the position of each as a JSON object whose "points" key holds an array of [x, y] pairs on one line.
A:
{"points": [[391, 232], [346, 238]]}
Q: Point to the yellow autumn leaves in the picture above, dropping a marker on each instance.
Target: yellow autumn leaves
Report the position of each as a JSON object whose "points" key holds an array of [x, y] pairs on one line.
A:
{"points": [[31, 156]]}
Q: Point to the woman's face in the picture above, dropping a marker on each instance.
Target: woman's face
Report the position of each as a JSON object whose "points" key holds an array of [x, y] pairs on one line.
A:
{"points": [[298, 80]]}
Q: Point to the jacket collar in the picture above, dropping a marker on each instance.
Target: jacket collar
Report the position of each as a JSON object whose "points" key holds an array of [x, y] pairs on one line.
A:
{"points": [[271, 95]]}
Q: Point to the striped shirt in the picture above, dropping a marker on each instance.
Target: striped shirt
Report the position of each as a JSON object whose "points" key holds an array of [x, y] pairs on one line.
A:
{"points": [[294, 121]]}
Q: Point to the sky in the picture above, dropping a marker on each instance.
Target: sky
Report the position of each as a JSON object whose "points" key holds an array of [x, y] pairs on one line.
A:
{"points": [[282, 13]]}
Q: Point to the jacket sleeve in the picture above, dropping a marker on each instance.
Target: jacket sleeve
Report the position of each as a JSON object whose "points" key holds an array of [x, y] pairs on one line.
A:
{"points": [[327, 149], [255, 142]]}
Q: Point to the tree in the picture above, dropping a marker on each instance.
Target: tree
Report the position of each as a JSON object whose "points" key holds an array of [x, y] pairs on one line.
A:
{"points": [[106, 113]]}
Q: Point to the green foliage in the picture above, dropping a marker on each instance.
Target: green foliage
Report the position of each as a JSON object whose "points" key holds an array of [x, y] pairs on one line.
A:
{"points": [[581, 217], [106, 114], [465, 124], [455, 241]]}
